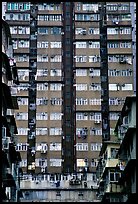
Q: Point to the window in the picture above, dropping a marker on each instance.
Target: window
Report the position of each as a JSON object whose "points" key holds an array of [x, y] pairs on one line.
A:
{"points": [[95, 101], [94, 58], [114, 72], [93, 31], [23, 44], [82, 146], [22, 87], [93, 44], [80, 58], [112, 31], [114, 87], [55, 30], [87, 17], [23, 163], [114, 116], [14, 44], [125, 44], [17, 17], [55, 131], [56, 58], [95, 87], [55, 72], [41, 147], [94, 163], [116, 101], [125, 30], [82, 132], [23, 30], [81, 116], [56, 101], [81, 87], [48, 7], [42, 86], [42, 72], [55, 147], [49, 17], [23, 74], [95, 116], [113, 45], [43, 44], [81, 101], [127, 87], [42, 116], [21, 116], [13, 30], [114, 176], [41, 131], [42, 58], [81, 72], [26, 6], [55, 44], [81, 44], [22, 58], [41, 101], [22, 131], [21, 147], [80, 31], [42, 30], [12, 6], [22, 101], [94, 72], [95, 131], [96, 146], [113, 58], [90, 7], [55, 116], [55, 87], [41, 162], [55, 162]]}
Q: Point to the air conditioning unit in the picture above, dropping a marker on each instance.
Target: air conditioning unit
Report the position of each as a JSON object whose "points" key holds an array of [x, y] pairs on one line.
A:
{"points": [[43, 169], [122, 61], [43, 151], [91, 70], [97, 121]]}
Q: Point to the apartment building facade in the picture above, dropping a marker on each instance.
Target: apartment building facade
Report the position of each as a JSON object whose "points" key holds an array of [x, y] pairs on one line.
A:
{"points": [[37, 31]]}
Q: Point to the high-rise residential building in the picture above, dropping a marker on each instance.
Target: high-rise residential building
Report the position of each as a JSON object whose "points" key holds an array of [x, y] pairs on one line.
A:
{"points": [[75, 67]]}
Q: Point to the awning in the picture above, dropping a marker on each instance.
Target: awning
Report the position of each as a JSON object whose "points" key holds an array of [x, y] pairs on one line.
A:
{"points": [[6, 94]]}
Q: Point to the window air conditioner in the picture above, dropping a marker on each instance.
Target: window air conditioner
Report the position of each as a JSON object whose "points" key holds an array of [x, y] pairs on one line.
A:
{"points": [[97, 121], [43, 169]]}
